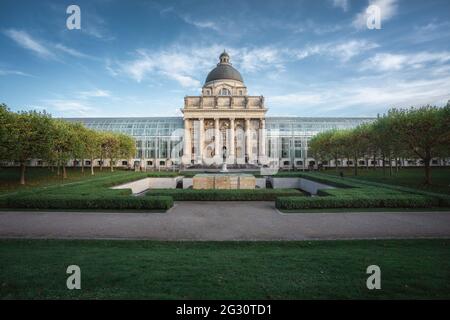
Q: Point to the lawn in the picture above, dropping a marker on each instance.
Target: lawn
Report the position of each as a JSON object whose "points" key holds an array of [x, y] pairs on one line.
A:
{"points": [[41, 177], [35, 269], [406, 177], [88, 193]]}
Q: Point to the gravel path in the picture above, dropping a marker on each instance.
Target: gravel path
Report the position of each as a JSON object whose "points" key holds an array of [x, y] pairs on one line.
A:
{"points": [[224, 221]]}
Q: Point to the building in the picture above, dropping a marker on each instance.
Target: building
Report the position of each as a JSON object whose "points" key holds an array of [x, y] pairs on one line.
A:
{"points": [[222, 124]]}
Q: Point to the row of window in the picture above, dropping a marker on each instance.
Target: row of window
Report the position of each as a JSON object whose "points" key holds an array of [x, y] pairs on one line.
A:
{"points": [[223, 92]]}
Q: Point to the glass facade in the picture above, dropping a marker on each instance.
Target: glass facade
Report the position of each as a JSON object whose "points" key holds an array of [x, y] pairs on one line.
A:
{"points": [[162, 137]]}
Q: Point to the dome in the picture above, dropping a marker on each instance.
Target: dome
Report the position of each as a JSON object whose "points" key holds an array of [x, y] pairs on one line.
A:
{"points": [[224, 70]]}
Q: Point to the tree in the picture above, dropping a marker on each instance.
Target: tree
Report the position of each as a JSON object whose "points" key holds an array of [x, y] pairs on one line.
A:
{"points": [[424, 131], [5, 119], [110, 147], [79, 143], [127, 146], [93, 146], [64, 141], [25, 136]]}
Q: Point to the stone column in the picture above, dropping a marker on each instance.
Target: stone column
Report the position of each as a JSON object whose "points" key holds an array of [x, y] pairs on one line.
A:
{"points": [[201, 140], [187, 143], [262, 141], [232, 152], [248, 147], [217, 141]]}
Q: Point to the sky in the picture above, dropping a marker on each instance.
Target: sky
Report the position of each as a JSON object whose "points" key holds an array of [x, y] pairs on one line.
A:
{"points": [[141, 58]]}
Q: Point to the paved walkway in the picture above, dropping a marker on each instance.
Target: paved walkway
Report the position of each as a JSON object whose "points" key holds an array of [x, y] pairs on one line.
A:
{"points": [[224, 221]]}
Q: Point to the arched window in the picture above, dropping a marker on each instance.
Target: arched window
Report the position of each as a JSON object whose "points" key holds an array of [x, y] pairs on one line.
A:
{"points": [[224, 92]]}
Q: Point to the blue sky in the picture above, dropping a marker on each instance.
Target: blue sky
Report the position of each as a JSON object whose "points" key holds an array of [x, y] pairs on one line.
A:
{"points": [[140, 58]]}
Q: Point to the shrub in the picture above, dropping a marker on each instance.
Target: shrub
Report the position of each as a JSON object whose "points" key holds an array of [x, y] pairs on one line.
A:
{"points": [[225, 195], [90, 202], [376, 201]]}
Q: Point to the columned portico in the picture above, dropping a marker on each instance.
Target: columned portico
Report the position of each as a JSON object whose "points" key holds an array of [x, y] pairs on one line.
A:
{"points": [[201, 140], [222, 109], [248, 147], [232, 151], [217, 151]]}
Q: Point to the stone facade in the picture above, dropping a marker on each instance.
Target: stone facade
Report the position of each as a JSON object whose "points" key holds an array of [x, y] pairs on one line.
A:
{"points": [[224, 181], [224, 121]]}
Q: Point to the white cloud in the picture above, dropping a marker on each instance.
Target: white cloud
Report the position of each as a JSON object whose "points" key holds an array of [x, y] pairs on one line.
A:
{"points": [[255, 59], [176, 63], [69, 107], [343, 4], [202, 24], [44, 50], [341, 50], [97, 93], [352, 48], [395, 62], [186, 64], [388, 8], [185, 81], [24, 40], [363, 99], [70, 51], [6, 72]]}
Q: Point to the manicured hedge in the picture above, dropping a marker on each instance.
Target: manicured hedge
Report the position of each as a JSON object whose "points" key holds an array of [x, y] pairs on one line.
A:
{"points": [[225, 195], [376, 201], [352, 193], [92, 202]]}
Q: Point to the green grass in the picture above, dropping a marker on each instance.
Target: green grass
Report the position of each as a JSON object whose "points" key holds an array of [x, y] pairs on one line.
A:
{"points": [[406, 177], [42, 177], [92, 193], [412, 269]]}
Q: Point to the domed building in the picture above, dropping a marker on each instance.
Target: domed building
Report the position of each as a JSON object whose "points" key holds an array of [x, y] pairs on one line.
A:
{"points": [[224, 123]]}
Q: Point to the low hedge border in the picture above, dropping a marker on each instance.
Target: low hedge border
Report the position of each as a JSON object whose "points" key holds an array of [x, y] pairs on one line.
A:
{"points": [[384, 201], [353, 193], [225, 194], [77, 202]]}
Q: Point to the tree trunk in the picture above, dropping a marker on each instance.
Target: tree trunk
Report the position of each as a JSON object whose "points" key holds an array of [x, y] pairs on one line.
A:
{"points": [[111, 165], [427, 170], [374, 161], [64, 172], [384, 164], [82, 166], [22, 173], [101, 164], [390, 165], [356, 165], [336, 164], [92, 167], [58, 172]]}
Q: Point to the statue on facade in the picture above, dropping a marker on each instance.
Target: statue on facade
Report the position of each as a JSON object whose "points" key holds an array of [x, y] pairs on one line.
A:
{"points": [[224, 163]]}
